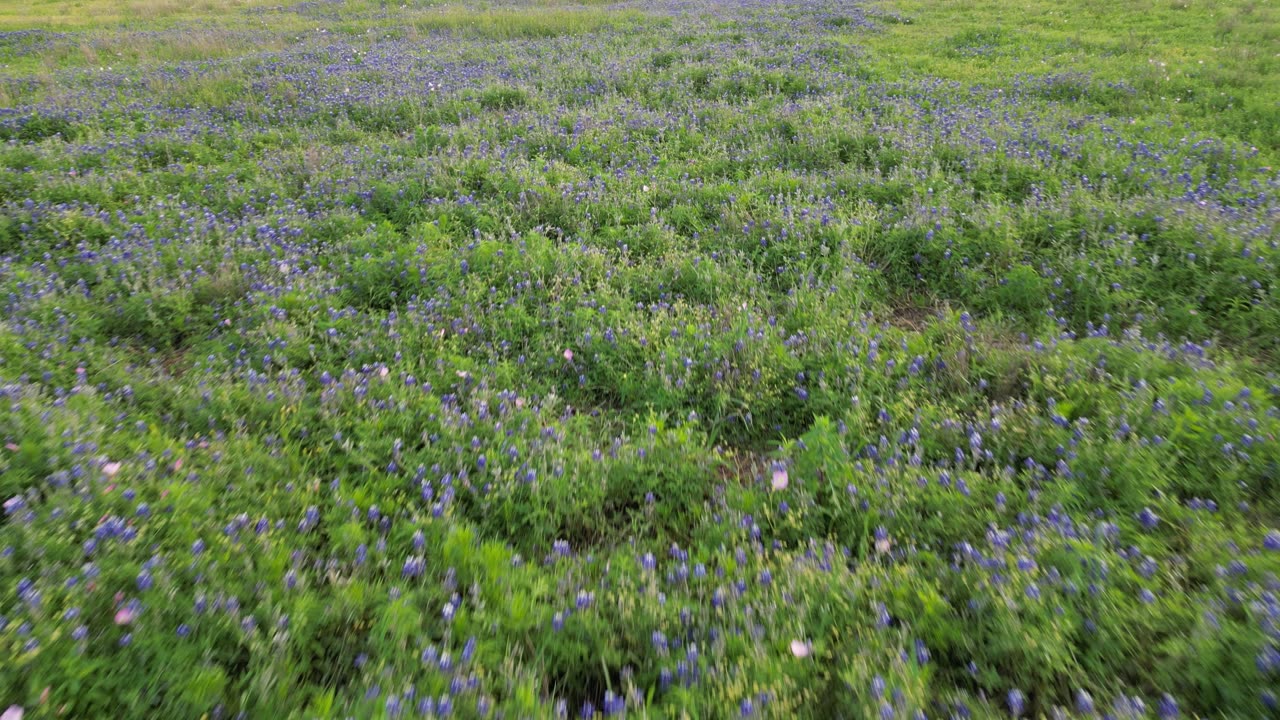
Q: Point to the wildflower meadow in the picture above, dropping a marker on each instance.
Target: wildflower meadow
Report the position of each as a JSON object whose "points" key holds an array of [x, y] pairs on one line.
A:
{"points": [[654, 359]]}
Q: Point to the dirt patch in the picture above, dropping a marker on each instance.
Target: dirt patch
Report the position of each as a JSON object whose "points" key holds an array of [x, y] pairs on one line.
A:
{"points": [[913, 315], [741, 467]]}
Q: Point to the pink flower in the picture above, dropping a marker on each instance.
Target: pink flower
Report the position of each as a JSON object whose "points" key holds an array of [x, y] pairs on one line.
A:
{"points": [[110, 469], [800, 648], [568, 354], [124, 616], [11, 447], [780, 479], [13, 713]]}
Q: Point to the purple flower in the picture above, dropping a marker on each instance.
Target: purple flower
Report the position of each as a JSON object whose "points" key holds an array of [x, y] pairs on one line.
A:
{"points": [[1268, 660], [659, 641], [1148, 518], [1017, 702], [413, 567], [922, 653], [1084, 702]]}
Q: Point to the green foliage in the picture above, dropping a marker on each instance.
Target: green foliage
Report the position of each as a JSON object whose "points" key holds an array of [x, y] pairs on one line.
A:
{"points": [[503, 98], [791, 360]]}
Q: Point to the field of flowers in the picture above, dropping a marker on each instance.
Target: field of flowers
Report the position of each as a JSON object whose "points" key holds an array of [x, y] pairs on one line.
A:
{"points": [[659, 358]]}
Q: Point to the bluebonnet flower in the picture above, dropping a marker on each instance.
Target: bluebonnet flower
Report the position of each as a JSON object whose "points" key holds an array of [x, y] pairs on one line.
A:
{"points": [[1148, 519], [1017, 702], [1084, 702]]}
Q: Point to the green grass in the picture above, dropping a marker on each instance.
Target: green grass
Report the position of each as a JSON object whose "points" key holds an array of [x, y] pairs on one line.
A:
{"points": [[85, 14], [1201, 63], [770, 360], [502, 24]]}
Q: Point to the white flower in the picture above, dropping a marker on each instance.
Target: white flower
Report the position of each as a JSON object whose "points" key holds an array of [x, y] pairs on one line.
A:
{"points": [[780, 479], [110, 469], [13, 713], [800, 648]]}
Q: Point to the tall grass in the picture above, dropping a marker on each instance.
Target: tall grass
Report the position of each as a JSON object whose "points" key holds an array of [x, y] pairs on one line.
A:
{"points": [[80, 14], [504, 24]]}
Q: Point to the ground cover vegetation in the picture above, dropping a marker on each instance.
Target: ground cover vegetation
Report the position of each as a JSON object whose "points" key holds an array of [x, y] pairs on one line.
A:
{"points": [[675, 358]]}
